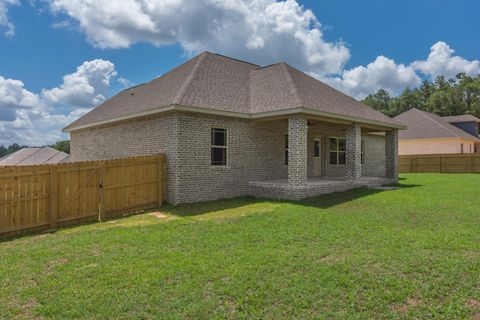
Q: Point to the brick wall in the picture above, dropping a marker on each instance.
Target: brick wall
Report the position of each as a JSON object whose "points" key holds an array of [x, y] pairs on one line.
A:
{"points": [[255, 152], [353, 165], [391, 154], [297, 150]]}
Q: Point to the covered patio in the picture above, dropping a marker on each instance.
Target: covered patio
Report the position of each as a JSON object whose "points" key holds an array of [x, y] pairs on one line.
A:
{"points": [[306, 178]]}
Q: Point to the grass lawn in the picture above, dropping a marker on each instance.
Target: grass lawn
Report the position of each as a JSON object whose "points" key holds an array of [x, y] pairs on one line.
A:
{"points": [[413, 252]]}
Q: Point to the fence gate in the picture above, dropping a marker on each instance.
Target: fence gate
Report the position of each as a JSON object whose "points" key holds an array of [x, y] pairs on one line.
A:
{"points": [[47, 196]]}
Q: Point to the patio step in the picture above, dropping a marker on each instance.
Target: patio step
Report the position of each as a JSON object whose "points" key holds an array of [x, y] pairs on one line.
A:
{"points": [[372, 184]]}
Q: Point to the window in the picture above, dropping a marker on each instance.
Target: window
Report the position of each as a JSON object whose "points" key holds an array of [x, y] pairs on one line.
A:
{"points": [[286, 149], [316, 148], [461, 148], [338, 150], [218, 147]]}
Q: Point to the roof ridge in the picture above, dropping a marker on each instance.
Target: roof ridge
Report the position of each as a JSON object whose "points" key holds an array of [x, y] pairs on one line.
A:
{"points": [[461, 117], [297, 96], [224, 56], [57, 152], [268, 66], [134, 86], [183, 89], [30, 155]]}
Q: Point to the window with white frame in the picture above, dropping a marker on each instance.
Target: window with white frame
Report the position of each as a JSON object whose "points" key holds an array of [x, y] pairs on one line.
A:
{"points": [[338, 151], [286, 150], [218, 147]]}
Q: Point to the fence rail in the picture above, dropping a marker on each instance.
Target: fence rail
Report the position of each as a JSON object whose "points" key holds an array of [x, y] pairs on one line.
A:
{"points": [[47, 196], [441, 163]]}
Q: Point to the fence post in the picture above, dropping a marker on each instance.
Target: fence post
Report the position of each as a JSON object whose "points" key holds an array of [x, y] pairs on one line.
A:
{"points": [[53, 221], [101, 190], [161, 180], [441, 167]]}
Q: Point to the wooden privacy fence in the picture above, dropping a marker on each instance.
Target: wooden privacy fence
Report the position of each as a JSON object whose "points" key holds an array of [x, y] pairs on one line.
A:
{"points": [[441, 163], [46, 196]]}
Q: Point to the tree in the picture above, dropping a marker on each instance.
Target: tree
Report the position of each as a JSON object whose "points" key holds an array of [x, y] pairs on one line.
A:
{"points": [[63, 146], [10, 149], [379, 101], [3, 151], [407, 100], [445, 97]]}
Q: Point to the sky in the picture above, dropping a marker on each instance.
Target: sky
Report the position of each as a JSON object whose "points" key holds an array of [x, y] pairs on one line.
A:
{"points": [[61, 58]]}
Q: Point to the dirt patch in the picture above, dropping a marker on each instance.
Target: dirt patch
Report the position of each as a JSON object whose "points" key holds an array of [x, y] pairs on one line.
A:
{"points": [[27, 309], [404, 308], [472, 303], [331, 258], [159, 215], [51, 265]]}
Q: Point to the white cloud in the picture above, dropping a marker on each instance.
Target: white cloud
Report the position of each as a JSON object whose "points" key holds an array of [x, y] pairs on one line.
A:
{"points": [[263, 31], [85, 87], [14, 97], [383, 73], [36, 119], [442, 61], [125, 83], [5, 22]]}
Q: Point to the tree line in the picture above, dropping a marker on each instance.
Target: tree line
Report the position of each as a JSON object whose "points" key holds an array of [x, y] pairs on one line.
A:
{"points": [[63, 145], [444, 97]]}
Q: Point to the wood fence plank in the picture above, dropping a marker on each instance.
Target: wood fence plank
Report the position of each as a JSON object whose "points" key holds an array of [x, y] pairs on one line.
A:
{"points": [[441, 163], [53, 216], [101, 188], [33, 197]]}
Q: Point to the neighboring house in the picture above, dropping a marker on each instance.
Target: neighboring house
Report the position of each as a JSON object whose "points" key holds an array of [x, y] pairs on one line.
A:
{"points": [[466, 122], [232, 128], [33, 156], [429, 133]]}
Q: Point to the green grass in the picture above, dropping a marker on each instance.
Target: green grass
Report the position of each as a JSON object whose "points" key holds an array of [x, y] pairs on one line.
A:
{"points": [[413, 252]]}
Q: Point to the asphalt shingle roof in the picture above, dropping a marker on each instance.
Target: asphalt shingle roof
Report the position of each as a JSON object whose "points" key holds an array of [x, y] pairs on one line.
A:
{"points": [[212, 81], [426, 125], [34, 156], [462, 118]]}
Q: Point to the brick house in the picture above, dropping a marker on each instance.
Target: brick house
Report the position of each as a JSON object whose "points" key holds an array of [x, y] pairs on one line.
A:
{"points": [[232, 128]]}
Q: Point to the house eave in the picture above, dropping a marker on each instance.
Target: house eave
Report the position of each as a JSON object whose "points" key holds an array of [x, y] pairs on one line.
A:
{"points": [[423, 139], [262, 115]]}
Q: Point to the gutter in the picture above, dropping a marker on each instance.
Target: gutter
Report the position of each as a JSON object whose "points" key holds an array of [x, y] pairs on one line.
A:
{"points": [[286, 112]]}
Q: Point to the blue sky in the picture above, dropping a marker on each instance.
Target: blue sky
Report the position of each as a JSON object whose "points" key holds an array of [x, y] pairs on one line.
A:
{"points": [[60, 58]]}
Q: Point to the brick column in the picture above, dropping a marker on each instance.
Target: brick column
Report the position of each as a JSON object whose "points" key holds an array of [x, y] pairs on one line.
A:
{"points": [[353, 162], [297, 150], [391, 154]]}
